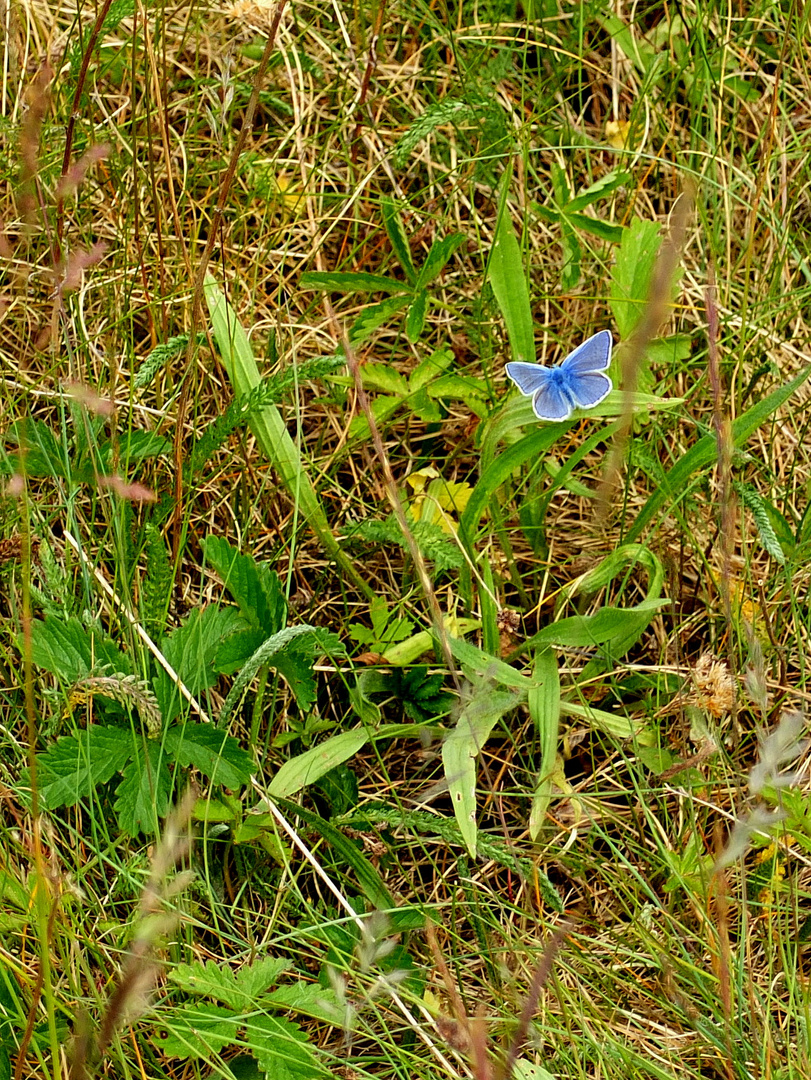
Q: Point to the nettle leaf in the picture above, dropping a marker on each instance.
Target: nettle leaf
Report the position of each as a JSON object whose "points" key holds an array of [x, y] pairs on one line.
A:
{"points": [[198, 1031], [76, 764], [199, 651], [215, 753], [295, 663], [142, 797], [240, 989], [254, 586], [71, 650], [282, 1049]]}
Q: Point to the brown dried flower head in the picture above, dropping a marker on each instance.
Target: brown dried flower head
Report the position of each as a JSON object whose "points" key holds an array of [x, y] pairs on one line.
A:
{"points": [[713, 686]]}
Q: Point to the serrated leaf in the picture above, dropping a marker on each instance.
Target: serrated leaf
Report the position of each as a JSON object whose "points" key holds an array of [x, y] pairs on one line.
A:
{"points": [[426, 372], [335, 281], [71, 650], [254, 586], [138, 445], [142, 797], [197, 1031], [282, 1049], [215, 753], [239, 990], [415, 319], [393, 224], [375, 316], [424, 407], [632, 273], [384, 377], [72, 768], [307, 999], [382, 409]]}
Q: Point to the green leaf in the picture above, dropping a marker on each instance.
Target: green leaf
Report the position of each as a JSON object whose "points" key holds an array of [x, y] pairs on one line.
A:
{"points": [[76, 764], [384, 377], [608, 624], [415, 319], [439, 254], [270, 429], [505, 271], [282, 1049], [426, 373], [461, 748], [197, 1031], [254, 586], [603, 230], [705, 452], [142, 797], [598, 190], [570, 272], [215, 753], [306, 768], [396, 233], [333, 281], [382, 409], [632, 274], [375, 316], [71, 650], [543, 701], [239, 990], [307, 999]]}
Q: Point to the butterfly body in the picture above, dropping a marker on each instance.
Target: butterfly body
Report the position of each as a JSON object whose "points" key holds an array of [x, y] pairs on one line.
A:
{"points": [[578, 382]]}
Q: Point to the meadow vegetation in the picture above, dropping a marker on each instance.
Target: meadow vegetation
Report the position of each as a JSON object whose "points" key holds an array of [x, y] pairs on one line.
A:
{"points": [[352, 720]]}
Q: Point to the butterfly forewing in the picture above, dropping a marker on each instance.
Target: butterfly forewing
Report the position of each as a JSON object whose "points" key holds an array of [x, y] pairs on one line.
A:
{"points": [[593, 355], [527, 377]]}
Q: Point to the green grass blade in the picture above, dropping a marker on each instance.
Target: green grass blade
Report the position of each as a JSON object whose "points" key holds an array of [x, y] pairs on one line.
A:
{"points": [[543, 702], [505, 271], [270, 430], [705, 452]]}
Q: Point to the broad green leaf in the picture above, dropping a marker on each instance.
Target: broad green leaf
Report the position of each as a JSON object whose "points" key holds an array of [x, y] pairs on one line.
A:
{"points": [[310, 766], [505, 272], [142, 797], [604, 626], [350, 282], [415, 319], [215, 753], [197, 1031], [270, 429], [396, 233], [705, 452], [75, 765], [71, 650], [254, 586], [308, 999], [543, 701], [632, 274], [603, 230], [461, 748], [282, 1049], [486, 666], [384, 377]]}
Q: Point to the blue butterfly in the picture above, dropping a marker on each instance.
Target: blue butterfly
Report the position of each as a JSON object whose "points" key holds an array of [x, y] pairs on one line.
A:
{"points": [[578, 382]]}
